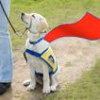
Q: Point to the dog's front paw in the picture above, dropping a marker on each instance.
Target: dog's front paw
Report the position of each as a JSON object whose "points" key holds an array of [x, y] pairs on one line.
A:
{"points": [[53, 88], [46, 90], [26, 82], [31, 87]]}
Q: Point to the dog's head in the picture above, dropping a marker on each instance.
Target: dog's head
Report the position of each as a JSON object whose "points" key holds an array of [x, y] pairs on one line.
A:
{"points": [[34, 22]]}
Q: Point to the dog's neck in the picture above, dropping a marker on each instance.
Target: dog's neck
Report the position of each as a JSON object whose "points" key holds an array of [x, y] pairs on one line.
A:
{"points": [[38, 48], [33, 37]]}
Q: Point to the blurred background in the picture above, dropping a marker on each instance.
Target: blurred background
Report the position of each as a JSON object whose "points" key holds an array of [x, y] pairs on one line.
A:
{"points": [[55, 11]]}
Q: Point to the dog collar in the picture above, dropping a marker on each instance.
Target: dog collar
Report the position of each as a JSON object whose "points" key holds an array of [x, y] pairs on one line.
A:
{"points": [[35, 42]]}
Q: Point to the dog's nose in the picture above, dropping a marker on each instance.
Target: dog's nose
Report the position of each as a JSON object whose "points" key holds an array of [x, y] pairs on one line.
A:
{"points": [[22, 14]]}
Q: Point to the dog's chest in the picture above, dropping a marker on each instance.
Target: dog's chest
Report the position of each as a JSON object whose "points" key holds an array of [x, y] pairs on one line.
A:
{"points": [[35, 63], [41, 55]]}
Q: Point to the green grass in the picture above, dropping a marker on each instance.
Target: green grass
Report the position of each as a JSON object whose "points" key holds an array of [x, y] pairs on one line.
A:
{"points": [[58, 12], [86, 88], [55, 11]]}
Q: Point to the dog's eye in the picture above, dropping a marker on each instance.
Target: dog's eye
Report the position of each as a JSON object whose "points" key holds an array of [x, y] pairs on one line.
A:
{"points": [[33, 16]]}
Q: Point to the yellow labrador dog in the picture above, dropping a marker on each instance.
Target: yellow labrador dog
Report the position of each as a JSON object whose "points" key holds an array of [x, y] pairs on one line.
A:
{"points": [[39, 54]]}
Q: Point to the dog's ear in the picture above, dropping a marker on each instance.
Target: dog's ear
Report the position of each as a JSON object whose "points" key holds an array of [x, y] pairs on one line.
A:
{"points": [[43, 25]]}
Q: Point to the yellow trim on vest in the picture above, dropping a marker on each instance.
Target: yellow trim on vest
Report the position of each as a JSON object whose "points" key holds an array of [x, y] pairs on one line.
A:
{"points": [[49, 57]]}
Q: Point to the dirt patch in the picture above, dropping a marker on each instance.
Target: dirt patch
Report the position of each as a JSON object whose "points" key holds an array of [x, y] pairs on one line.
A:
{"points": [[74, 56]]}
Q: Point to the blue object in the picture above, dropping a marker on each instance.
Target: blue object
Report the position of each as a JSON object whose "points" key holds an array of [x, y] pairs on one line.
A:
{"points": [[33, 53], [5, 46]]}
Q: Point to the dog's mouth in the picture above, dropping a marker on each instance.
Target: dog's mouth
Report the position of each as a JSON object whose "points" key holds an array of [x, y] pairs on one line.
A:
{"points": [[21, 15], [23, 20]]}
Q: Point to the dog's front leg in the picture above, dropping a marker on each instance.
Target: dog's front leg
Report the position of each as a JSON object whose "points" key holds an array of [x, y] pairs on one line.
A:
{"points": [[54, 82], [32, 84], [46, 80]]}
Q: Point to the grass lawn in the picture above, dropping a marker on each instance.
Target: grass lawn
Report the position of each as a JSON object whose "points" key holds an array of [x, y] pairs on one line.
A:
{"points": [[86, 88], [55, 11], [58, 12]]}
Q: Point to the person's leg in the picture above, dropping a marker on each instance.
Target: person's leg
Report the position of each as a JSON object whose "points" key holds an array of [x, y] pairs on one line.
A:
{"points": [[5, 47]]}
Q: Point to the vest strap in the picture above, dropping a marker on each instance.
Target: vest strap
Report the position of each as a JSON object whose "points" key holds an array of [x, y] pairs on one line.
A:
{"points": [[33, 53]]}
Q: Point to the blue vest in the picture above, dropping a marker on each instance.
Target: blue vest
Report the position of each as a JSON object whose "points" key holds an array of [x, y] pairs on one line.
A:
{"points": [[47, 56]]}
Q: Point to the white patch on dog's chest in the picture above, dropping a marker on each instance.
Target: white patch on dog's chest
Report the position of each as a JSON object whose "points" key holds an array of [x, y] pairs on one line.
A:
{"points": [[35, 62]]}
